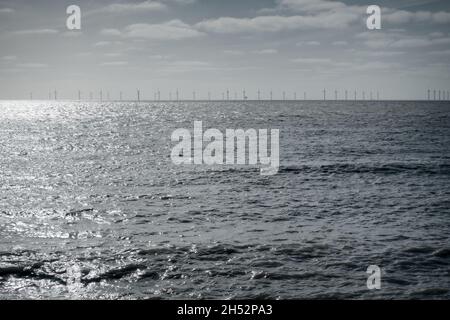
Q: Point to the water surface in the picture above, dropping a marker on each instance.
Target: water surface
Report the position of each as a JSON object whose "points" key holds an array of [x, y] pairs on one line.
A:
{"points": [[91, 205]]}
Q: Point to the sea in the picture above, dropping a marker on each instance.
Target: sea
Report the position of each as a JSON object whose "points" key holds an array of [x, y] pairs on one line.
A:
{"points": [[92, 206]]}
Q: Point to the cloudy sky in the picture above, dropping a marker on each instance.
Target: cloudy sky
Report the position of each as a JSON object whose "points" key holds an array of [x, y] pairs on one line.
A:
{"points": [[215, 45]]}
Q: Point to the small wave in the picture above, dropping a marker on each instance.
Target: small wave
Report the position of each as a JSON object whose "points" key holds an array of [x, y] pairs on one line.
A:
{"points": [[394, 168]]}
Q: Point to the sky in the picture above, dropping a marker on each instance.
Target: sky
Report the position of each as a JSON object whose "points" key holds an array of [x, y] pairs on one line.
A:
{"points": [[291, 46]]}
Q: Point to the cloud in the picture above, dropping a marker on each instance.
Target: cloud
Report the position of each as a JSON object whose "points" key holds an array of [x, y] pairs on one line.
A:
{"points": [[418, 42], [181, 2], [32, 65], [440, 52], [404, 17], [189, 63], [171, 30], [113, 54], [134, 7], [9, 58], [390, 15], [101, 44], [229, 25], [234, 52], [114, 63], [267, 51], [72, 34], [36, 32], [312, 60], [307, 43], [6, 10], [310, 5], [340, 43], [110, 32], [436, 34], [381, 40], [409, 42]]}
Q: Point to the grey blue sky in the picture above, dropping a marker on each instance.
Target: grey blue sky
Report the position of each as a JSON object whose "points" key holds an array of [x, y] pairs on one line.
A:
{"points": [[215, 45]]}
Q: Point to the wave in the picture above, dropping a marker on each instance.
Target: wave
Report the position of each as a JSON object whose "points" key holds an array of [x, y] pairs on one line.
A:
{"points": [[389, 168]]}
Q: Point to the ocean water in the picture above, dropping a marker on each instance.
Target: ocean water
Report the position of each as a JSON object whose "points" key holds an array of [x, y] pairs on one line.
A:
{"points": [[91, 206]]}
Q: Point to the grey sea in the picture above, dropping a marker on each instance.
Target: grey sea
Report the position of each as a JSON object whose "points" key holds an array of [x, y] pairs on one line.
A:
{"points": [[91, 206]]}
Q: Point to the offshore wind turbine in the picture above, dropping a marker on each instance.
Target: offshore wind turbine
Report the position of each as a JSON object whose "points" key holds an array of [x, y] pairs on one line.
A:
{"points": [[335, 95], [138, 95], [434, 94], [324, 94], [429, 96], [346, 95]]}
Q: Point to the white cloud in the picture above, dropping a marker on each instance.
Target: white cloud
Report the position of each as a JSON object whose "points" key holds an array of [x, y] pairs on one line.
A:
{"points": [[440, 52], [407, 42], [234, 52], [36, 32], [189, 63], [403, 17], [113, 54], [267, 51], [32, 65], [340, 43], [9, 58], [114, 63], [134, 7], [308, 43], [110, 32], [107, 43], [381, 40], [171, 30], [102, 44], [229, 25], [437, 34], [181, 2], [6, 10], [311, 5], [312, 60]]}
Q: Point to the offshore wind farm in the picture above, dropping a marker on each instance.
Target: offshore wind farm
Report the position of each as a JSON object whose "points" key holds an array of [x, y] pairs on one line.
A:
{"points": [[259, 96]]}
